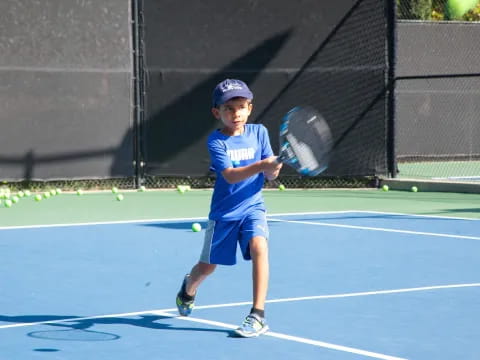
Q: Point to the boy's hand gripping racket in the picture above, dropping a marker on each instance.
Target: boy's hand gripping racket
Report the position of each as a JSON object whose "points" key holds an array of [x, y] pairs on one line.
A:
{"points": [[305, 141]]}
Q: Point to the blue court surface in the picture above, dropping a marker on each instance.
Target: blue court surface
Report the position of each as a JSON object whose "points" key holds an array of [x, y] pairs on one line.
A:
{"points": [[343, 286]]}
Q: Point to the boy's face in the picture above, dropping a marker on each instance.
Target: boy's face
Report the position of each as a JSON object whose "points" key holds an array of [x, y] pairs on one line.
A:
{"points": [[234, 115]]}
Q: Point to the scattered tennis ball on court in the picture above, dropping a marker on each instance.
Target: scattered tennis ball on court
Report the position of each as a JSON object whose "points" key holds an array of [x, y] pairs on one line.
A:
{"points": [[38, 197], [15, 199], [20, 194], [27, 193], [385, 188], [281, 187], [114, 190], [181, 189], [414, 189], [46, 194], [79, 192], [119, 197], [59, 191], [196, 227], [8, 203], [142, 188], [53, 192]]}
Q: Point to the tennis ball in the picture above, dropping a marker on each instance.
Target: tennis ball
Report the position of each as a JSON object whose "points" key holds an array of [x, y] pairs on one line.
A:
{"points": [[27, 193], [38, 197], [46, 194], [53, 192], [8, 203], [59, 191], [79, 192], [414, 189], [15, 199], [142, 188], [196, 227], [457, 8], [114, 190], [119, 197], [21, 194], [385, 188], [281, 187], [181, 189]]}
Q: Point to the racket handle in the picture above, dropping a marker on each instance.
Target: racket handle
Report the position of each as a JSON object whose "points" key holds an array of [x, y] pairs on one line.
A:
{"points": [[279, 159]]}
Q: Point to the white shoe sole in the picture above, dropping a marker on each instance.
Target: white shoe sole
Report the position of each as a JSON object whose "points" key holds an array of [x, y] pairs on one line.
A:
{"points": [[249, 335]]}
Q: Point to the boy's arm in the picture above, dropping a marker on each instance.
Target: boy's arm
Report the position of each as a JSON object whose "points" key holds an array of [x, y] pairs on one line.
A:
{"points": [[267, 152], [235, 175]]}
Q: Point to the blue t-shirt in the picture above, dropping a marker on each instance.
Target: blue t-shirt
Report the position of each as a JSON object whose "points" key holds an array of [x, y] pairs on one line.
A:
{"points": [[232, 201]]}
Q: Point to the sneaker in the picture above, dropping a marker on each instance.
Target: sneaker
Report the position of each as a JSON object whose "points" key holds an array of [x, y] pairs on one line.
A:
{"points": [[252, 326], [185, 307]]}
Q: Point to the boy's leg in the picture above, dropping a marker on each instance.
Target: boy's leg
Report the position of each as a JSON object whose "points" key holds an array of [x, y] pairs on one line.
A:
{"points": [[255, 323], [254, 246], [219, 248], [198, 273], [260, 271], [186, 296]]}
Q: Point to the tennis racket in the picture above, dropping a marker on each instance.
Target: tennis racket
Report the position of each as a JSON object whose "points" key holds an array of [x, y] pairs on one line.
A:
{"points": [[305, 141]]}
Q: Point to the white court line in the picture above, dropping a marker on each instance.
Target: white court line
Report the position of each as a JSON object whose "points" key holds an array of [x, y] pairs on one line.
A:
{"points": [[336, 296], [415, 215], [166, 312], [317, 223], [146, 221], [290, 338], [318, 297]]}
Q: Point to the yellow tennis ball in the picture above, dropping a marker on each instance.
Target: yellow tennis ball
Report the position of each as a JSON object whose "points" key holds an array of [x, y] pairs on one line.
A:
{"points": [[457, 8], [414, 189], [8, 203], [38, 197], [114, 190], [196, 227], [281, 187], [119, 197], [385, 188]]}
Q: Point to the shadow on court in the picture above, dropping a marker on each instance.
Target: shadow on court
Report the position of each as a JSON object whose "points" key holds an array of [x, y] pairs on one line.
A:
{"points": [[74, 328]]}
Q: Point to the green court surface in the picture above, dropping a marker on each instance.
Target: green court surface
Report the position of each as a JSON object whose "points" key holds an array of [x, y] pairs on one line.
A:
{"points": [[70, 208], [440, 170]]}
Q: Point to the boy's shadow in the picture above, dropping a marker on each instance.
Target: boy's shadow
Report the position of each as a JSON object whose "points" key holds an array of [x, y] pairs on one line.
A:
{"points": [[62, 323]]}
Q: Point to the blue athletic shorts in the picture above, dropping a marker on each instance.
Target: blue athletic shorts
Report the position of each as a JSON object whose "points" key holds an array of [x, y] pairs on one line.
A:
{"points": [[221, 238]]}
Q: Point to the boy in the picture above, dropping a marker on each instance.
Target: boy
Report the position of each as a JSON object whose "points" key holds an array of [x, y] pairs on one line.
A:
{"points": [[241, 156]]}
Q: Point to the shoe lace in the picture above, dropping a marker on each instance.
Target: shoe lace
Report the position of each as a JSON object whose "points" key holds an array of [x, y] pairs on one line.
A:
{"points": [[250, 321]]}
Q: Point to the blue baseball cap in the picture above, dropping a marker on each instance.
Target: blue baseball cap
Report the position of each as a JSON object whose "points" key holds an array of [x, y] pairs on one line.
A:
{"points": [[228, 89]]}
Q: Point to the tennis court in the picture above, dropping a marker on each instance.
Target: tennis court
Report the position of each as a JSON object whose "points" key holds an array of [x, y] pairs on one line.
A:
{"points": [[355, 274], [111, 149]]}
